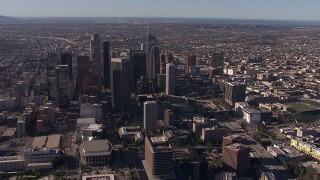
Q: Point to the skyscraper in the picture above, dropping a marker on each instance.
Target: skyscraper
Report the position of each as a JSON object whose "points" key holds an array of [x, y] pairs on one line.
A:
{"points": [[154, 62], [105, 64], [235, 92], [190, 60], [159, 158], [121, 84], [170, 79], [88, 75], [236, 156], [62, 85], [151, 41], [162, 64], [95, 50], [150, 116], [138, 61], [52, 60], [66, 59]]}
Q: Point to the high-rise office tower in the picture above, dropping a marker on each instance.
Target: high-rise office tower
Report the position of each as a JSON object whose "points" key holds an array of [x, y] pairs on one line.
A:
{"points": [[151, 42], [138, 61], [88, 75], [235, 92], [236, 156], [154, 62], [52, 61], [163, 64], [150, 116], [62, 85], [159, 158], [95, 50], [190, 60], [105, 64], [66, 59], [121, 84], [170, 79]]}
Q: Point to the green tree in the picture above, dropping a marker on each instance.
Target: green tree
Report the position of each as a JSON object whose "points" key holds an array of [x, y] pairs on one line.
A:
{"points": [[124, 145]]}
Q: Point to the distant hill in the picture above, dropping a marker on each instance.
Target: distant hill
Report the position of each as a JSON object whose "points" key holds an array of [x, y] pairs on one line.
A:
{"points": [[4, 18]]}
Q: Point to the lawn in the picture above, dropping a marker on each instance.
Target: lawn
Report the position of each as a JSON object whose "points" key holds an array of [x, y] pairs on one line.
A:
{"points": [[312, 102], [299, 107]]}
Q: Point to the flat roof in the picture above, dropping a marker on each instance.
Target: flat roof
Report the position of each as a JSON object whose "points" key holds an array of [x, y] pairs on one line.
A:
{"points": [[86, 120], [9, 132], [50, 142], [158, 140], [53, 141], [99, 177], [96, 148], [39, 142]]}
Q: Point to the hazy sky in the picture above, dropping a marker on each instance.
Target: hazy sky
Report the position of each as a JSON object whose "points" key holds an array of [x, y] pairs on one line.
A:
{"points": [[246, 9]]}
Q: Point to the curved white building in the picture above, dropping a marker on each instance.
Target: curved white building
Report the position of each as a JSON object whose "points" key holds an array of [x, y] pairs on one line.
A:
{"points": [[95, 152]]}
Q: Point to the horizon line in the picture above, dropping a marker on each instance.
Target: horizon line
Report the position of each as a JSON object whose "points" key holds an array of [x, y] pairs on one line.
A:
{"points": [[165, 17]]}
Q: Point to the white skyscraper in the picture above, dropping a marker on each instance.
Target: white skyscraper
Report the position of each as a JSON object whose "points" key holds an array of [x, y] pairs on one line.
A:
{"points": [[150, 115], [170, 79]]}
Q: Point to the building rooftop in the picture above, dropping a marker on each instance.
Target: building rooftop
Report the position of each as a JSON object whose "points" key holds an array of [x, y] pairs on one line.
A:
{"points": [[158, 140], [100, 177], [53, 141], [9, 132], [237, 146], [96, 148], [50, 142]]}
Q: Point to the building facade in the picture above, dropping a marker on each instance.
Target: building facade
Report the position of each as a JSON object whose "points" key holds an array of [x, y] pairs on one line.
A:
{"points": [[170, 79], [121, 84], [150, 115]]}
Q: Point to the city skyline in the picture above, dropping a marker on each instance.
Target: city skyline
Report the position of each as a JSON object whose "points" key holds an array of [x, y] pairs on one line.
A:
{"points": [[231, 9]]}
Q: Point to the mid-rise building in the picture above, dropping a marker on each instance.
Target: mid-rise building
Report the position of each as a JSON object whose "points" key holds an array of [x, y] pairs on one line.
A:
{"points": [[150, 116], [236, 156], [190, 61], [235, 92], [213, 135], [170, 79], [247, 112], [158, 158], [236, 138], [168, 117]]}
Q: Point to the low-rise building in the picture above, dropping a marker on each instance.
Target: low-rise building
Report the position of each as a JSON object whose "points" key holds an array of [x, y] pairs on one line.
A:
{"points": [[213, 135], [306, 146], [95, 152], [285, 153], [99, 177], [43, 149], [247, 112], [129, 133], [12, 163]]}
